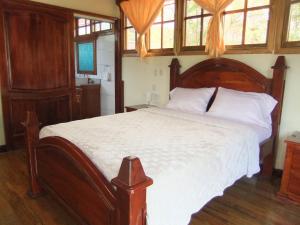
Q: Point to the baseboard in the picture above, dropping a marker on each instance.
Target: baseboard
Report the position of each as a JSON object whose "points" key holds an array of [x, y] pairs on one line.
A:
{"points": [[3, 148], [277, 172]]}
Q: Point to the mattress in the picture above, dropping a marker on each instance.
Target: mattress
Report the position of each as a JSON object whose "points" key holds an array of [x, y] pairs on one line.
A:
{"points": [[191, 158]]}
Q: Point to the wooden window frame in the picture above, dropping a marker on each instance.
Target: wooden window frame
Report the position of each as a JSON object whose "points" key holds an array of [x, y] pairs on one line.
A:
{"points": [[85, 26], [150, 52], [124, 37], [92, 28], [230, 49], [277, 29], [86, 39], [162, 51], [282, 45]]}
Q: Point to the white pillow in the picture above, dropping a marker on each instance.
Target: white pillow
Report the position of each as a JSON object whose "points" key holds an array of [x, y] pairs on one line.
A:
{"points": [[190, 99], [248, 107]]}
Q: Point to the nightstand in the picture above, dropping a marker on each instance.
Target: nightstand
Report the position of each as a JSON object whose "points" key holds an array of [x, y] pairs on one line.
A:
{"points": [[136, 107], [290, 183]]}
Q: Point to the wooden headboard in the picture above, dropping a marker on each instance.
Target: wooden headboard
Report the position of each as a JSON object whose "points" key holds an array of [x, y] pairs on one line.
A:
{"points": [[229, 73]]}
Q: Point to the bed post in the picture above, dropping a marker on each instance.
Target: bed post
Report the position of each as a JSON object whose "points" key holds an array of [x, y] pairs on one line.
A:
{"points": [[279, 70], [174, 73], [277, 91], [131, 186], [31, 139]]}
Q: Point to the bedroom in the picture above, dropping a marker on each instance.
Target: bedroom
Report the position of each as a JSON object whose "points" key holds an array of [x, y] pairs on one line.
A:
{"points": [[147, 81]]}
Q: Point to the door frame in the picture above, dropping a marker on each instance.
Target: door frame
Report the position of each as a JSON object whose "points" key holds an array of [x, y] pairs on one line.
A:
{"points": [[119, 83]]}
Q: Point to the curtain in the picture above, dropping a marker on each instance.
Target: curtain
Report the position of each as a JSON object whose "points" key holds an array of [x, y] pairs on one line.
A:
{"points": [[141, 14], [215, 35]]}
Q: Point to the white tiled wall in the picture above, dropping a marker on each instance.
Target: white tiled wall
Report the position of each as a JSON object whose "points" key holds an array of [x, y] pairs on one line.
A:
{"points": [[105, 63]]}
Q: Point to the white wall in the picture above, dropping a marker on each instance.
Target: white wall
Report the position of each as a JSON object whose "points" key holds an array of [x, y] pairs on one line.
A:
{"points": [[106, 63], [105, 73], [103, 7], [152, 74]]}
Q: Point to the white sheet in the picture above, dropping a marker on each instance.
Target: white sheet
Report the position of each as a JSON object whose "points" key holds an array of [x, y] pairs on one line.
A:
{"points": [[262, 133], [191, 158]]}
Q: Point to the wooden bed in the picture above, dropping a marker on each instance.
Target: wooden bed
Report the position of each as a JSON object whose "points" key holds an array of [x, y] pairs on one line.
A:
{"points": [[61, 168]]}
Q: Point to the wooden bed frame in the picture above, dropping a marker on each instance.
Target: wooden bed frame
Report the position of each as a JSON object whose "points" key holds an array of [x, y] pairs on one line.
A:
{"points": [[61, 168]]}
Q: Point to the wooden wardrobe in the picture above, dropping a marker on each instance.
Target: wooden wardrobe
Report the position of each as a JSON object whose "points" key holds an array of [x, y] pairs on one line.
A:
{"points": [[36, 65]]}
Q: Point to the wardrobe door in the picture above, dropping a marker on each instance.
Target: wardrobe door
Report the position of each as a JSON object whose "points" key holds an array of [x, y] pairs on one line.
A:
{"points": [[39, 72]]}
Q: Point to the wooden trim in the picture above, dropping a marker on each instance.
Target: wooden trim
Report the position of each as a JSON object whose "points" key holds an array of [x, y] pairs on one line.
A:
{"points": [[112, 18], [119, 83]]}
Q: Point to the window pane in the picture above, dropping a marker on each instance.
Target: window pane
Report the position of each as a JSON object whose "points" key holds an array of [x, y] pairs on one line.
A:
{"points": [[158, 18], [192, 8], [205, 28], [192, 34], [233, 28], [88, 30], [255, 3], [87, 22], [105, 26], [168, 35], [81, 22], [257, 26], [130, 38], [81, 31], [169, 10], [155, 36], [294, 23], [97, 27], [128, 24], [236, 4]]}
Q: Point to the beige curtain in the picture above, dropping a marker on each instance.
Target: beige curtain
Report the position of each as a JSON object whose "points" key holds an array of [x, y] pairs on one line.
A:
{"points": [[141, 14], [215, 35]]}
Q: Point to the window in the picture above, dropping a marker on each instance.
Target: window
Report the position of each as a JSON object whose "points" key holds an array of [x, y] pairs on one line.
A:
{"points": [[160, 37], [249, 27], [87, 26], [83, 26], [292, 26], [86, 57], [130, 36], [195, 24], [246, 22], [161, 34]]}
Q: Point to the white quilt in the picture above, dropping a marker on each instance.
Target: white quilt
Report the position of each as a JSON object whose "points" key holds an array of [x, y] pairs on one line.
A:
{"points": [[191, 158]]}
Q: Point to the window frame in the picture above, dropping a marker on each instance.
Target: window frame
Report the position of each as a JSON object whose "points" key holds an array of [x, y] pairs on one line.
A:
{"points": [[274, 35], [163, 51], [92, 28], [150, 52], [230, 49], [124, 28], [282, 45], [92, 40]]}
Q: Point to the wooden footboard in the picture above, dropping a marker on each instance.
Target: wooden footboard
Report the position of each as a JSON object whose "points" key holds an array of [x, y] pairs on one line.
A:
{"points": [[61, 168]]}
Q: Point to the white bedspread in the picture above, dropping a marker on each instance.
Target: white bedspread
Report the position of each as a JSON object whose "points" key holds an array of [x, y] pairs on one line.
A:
{"points": [[191, 158]]}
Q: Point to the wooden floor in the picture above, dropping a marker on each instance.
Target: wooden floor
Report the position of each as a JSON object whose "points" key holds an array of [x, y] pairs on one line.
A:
{"points": [[249, 202]]}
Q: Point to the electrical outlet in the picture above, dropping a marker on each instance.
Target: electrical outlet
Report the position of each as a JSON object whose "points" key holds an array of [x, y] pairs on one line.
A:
{"points": [[153, 87], [161, 72]]}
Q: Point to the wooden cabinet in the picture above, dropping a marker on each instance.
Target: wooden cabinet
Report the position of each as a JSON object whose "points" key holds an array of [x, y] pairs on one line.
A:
{"points": [[290, 184], [37, 66], [88, 101]]}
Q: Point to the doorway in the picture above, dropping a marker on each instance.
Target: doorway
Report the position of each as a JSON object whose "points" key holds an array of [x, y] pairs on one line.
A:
{"points": [[98, 61]]}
